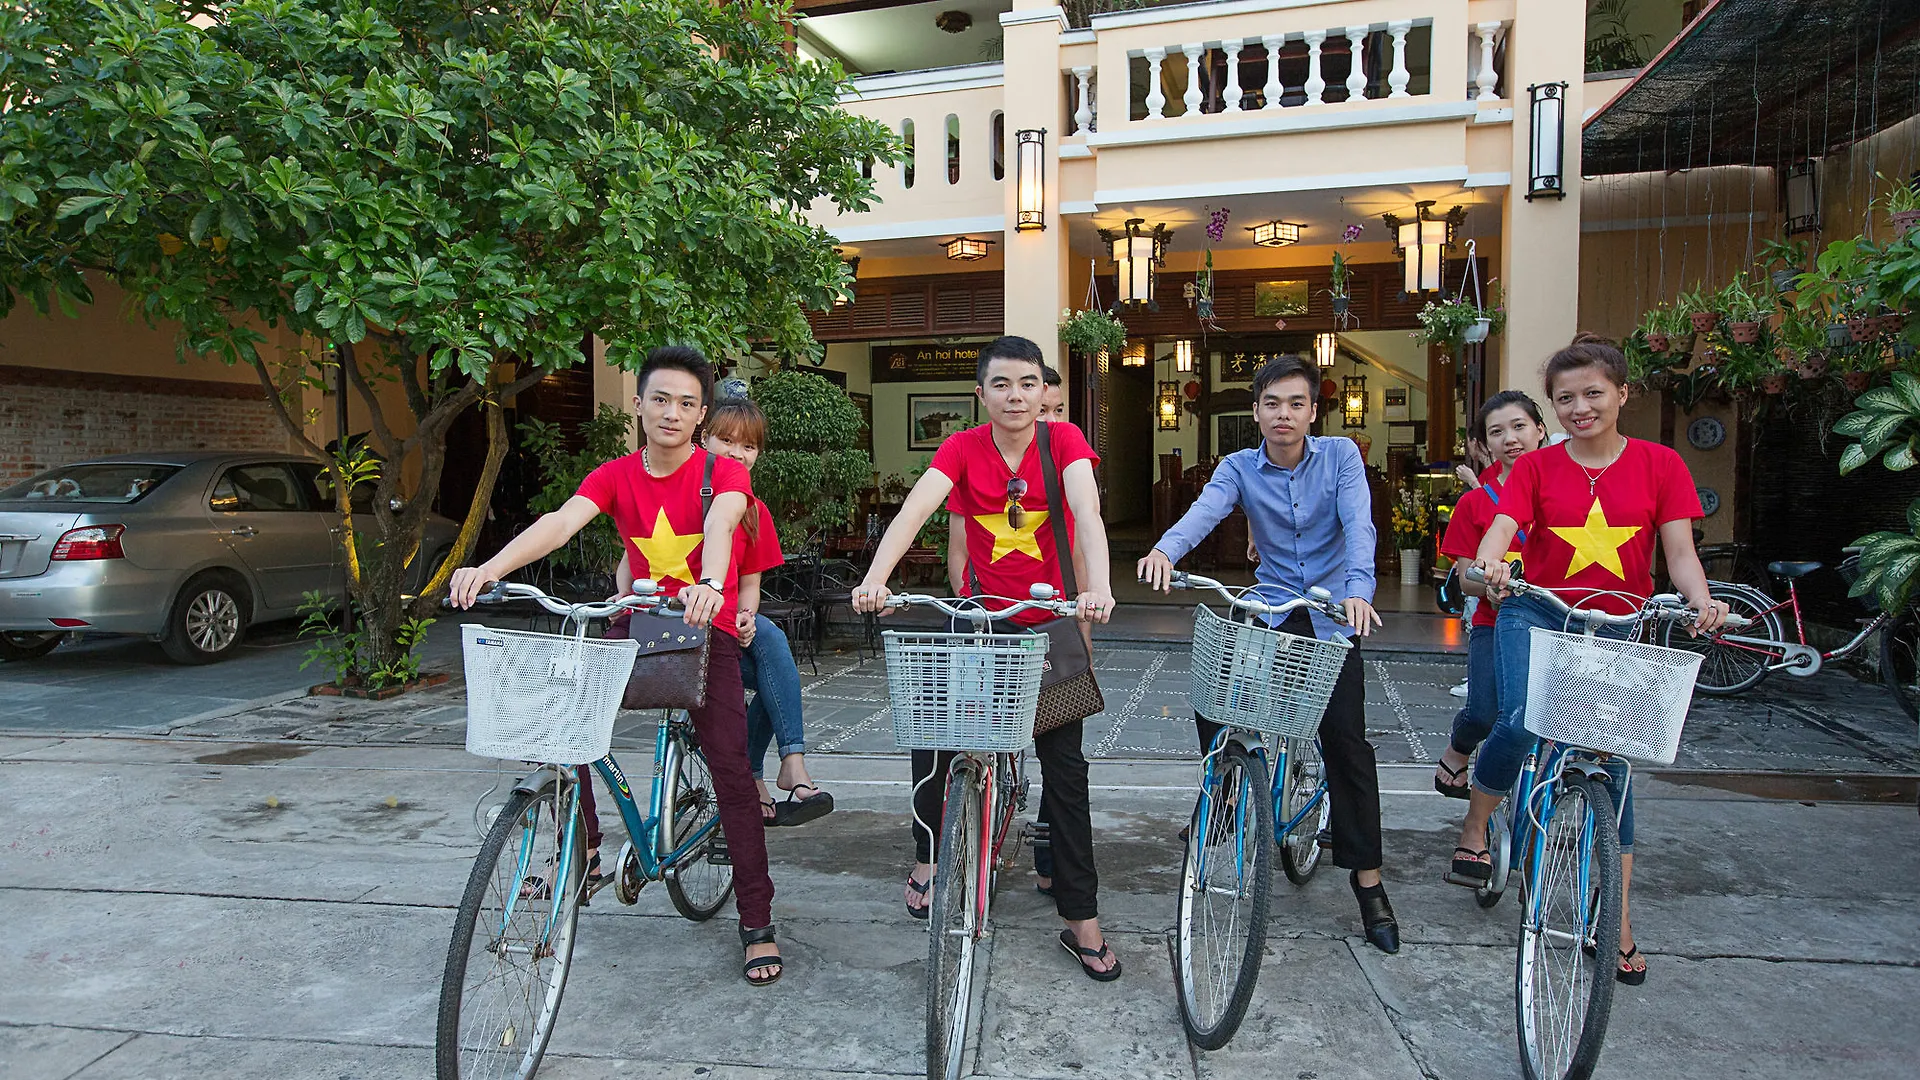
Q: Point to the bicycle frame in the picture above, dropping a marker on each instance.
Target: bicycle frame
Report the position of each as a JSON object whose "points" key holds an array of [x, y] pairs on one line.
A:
{"points": [[1530, 793], [1001, 780], [1792, 655], [1255, 744]]}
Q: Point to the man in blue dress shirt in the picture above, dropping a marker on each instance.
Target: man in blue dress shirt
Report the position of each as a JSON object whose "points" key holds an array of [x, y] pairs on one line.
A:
{"points": [[1311, 518]]}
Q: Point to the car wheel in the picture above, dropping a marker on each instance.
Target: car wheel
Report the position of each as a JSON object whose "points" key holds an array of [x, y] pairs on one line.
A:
{"points": [[29, 644], [208, 621]]}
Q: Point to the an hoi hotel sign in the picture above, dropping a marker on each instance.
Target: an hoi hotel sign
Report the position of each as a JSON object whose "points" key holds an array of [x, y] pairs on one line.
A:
{"points": [[925, 363]]}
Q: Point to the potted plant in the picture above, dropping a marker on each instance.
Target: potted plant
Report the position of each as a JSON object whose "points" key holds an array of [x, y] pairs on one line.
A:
{"points": [[1903, 204], [1661, 326], [1412, 522], [1093, 332], [1701, 309], [1342, 278], [1745, 307], [1450, 323], [1791, 255], [1798, 343]]}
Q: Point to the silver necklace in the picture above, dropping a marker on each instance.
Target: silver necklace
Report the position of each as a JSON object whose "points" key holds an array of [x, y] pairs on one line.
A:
{"points": [[1593, 479]]}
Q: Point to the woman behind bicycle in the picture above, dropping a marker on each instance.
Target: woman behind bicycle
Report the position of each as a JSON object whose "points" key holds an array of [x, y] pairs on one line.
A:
{"points": [[1592, 508]]}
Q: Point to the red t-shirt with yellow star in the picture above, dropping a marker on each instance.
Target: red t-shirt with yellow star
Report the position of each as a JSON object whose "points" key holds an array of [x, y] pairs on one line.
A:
{"points": [[1008, 561], [1584, 533], [659, 521]]}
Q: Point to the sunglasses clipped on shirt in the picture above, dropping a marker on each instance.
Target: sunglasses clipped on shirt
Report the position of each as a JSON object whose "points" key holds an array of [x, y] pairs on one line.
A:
{"points": [[1016, 514]]}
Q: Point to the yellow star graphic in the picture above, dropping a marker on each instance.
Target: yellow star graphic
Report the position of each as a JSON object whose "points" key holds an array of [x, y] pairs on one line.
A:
{"points": [[666, 551], [1597, 543], [1007, 539]]}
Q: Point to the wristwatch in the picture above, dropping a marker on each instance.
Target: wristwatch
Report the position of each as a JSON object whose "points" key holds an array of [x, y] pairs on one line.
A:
{"points": [[710, 583]]}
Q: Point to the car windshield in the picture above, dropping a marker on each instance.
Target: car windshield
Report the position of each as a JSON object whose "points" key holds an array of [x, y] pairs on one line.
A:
{"points": [[115, 482]]}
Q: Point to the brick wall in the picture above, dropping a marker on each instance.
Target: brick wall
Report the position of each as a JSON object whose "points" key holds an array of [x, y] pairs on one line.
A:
{"points": [[51, 417]]}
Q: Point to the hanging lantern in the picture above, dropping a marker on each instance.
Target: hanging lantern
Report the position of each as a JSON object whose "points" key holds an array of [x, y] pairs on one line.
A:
{"points": [[1136, 255], [1167, 406], [966, 248], [1183, 356], [1276, 233], [1544, 151], [1191, 390], [1029, 170], [1422, 243], [1800, 196], [1353, 402], [1135, 354], [1324, 346]]}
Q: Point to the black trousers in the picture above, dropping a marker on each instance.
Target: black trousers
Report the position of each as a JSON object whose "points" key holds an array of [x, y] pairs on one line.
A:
{"points": [[1063, 806], [1353, 786]]}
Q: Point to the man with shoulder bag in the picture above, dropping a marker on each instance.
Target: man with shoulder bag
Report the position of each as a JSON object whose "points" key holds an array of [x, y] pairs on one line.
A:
{"points": [[1026, 492]]}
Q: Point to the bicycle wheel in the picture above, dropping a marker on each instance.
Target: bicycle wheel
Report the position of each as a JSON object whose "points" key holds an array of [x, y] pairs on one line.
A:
{"points": [[1727, 668], [1500, 847], [1900, 661], [953, 928], [507, 965], [696, 884], [1225, 886], [1564, 995], [1306, 780]]}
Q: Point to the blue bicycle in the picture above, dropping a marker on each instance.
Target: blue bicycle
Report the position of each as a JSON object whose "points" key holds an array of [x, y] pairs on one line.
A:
{"points": [[1595, 703], [1261, 685], [551, 699]]}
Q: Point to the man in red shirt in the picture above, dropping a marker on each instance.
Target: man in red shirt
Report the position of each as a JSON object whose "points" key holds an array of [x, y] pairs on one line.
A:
{"points": [[991, 477], [654, 497]]}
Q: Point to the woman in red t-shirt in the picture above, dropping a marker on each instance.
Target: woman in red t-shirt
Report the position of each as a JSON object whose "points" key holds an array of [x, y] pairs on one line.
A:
{"points": [[1592, 508], [1509, 425]]}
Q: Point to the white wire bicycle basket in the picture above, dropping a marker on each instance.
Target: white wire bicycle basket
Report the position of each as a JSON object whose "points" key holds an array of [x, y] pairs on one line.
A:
{"points": [[1251, 676], [963, 691], [550, 698], [1617, 697]]}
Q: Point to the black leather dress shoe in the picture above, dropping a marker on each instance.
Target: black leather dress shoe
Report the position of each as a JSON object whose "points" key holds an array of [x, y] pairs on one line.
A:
{"points": [[1376, 915]]}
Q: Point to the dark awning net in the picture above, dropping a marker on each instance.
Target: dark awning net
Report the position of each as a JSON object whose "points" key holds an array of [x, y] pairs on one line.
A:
{"points": [[1763, 82]]}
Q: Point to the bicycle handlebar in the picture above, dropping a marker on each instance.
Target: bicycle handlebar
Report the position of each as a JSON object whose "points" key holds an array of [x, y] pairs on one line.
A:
{"points": [[1666, 607], [645, 597], [1317, 598], [969, 607]]}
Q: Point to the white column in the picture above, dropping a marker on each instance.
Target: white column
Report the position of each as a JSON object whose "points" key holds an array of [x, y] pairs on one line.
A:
{"points": [[1232, 47], [1487, 78], [1357, 77], [1156, 98], [1274, 90], [1399, 77], [1316, 86], [1083, 111], [1192, 97]]}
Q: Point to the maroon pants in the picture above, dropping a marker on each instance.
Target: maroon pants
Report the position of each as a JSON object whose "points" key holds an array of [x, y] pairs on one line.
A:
{"points": [[721, 726]]}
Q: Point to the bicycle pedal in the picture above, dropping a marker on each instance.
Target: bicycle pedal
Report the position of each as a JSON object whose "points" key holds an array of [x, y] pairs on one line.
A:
{"points": [[717, 854]]}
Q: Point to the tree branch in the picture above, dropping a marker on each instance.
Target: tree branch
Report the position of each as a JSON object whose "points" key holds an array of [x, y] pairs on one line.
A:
{"points": [[476, 511], [390, 447]]}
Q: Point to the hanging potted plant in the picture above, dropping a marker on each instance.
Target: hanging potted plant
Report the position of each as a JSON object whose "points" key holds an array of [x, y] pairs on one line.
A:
{"points": [[1746, 310], [1093, 332], [1660, 326], [1701, 309], [1342, 279], [1903, 204], [1791, 255]]}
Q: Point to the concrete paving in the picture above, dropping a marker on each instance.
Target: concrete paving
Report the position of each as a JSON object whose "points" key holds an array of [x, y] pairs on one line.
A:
{"points": [[195, 907]]}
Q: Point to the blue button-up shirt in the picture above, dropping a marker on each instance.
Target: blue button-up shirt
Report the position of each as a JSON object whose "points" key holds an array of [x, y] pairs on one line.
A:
{"points": [[1312, 524]]}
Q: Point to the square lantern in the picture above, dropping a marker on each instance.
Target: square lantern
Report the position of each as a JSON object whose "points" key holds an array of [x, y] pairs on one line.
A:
{"points": [[1030, 179], [1353, 402], [1137, 254], [1547, 142], [1276, 233], [1167, 406], [1183, 355], [1135, 354], [966, 248], [1325, 345], [1422, 242]]}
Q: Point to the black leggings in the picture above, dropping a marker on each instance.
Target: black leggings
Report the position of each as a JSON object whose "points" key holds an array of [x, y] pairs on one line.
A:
{"points": [[1063, 806], [1353, 787]]}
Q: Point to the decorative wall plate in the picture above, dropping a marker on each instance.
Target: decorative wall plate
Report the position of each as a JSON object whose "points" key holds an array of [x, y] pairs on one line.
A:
{"points": [[1706, 433], [1709, 500]]}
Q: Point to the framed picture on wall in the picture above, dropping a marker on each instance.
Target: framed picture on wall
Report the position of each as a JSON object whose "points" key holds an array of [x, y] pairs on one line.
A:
{"points": [[1280, 298], [933, 417], [865, 404], [1395, 399], [1236, 431]]}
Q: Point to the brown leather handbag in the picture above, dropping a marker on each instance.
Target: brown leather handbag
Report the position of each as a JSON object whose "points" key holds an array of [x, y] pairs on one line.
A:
{"points": [[670, 671], [1068, 692]]}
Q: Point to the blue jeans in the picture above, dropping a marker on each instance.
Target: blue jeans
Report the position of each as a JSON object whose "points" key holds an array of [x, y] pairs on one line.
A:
{"points": [[767, 669], [1470, 727], [1505, 750]]}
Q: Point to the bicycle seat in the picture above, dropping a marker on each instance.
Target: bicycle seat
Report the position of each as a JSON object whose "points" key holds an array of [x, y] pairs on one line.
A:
{"points": [[1790, 570]]}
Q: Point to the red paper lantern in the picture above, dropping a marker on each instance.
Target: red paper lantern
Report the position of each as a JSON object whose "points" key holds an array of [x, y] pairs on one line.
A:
{"points": [[1328, 389], [1192, 391]]}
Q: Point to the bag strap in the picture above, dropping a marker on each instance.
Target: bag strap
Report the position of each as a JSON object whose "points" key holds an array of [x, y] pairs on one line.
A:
{"points": [[1056, 504], [706, 490]]}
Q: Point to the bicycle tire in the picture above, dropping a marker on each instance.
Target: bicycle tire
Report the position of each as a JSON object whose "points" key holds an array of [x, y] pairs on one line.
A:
{"points": [[1231, 834], [698, 886], [1900, 661], [952, 929], [1547, 1022], [501, 1011], [1500, 847], [1306, 778], [1726, 670]]}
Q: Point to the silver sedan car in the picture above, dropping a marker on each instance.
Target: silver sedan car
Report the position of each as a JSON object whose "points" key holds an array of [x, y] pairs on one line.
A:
{"points": [[186, 548]]}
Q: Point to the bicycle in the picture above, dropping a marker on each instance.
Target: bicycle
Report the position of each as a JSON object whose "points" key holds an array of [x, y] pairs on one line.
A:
{"points": [[1593, 702], [1254, 681], [551, 700], [973, 693], [1735, 662]]}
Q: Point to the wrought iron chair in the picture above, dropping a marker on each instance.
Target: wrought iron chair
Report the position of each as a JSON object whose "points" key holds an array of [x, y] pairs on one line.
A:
{"points": [[786, 598]]}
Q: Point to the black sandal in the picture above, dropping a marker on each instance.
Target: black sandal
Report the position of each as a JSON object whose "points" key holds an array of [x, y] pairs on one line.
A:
{"points": [[1080, 956], [1627, 973], [1453, 791], [769, 820], [762, 936], [922, 889], [1474, 871], [813, 807]]}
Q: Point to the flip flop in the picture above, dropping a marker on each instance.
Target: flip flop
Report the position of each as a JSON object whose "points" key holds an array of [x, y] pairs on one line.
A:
{"points": [[1627, 973], [1473, 869], [1080, 956], [1452, 790], [798, 811], [770, 819], [921, 889]]}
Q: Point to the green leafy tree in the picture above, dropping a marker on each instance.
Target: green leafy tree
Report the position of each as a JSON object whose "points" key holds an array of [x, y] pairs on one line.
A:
{"points": [[812, 467], [437, 194]]}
